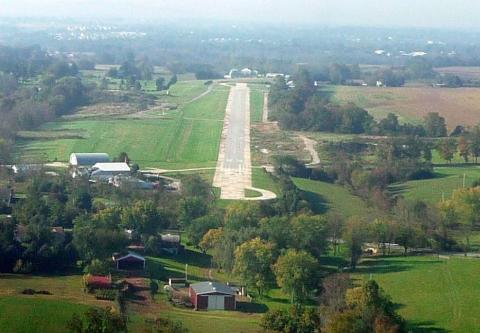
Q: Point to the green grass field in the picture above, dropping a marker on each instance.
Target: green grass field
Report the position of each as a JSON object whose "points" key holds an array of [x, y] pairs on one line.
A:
{"points": [[256, 105], [186, 139], [42, 313], [263, 180], [331, 197], [447, 180], [433, 295], [28, 314]]}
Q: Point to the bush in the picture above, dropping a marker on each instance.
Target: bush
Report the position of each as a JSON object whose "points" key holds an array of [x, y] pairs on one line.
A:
{"points": [[97, 267], [106, 294]]}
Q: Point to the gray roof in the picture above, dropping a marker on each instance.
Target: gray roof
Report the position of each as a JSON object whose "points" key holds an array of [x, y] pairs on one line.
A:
{"points": [[170, 238], [212, 287], [88, 159]]}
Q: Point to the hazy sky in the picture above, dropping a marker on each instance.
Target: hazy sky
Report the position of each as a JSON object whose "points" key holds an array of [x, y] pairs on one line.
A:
{"points": [[424, 13]]}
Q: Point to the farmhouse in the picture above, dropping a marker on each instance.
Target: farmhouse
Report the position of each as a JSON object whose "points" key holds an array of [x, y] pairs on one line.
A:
{"points": [[212, 296], [129, 262], [106, 171]]}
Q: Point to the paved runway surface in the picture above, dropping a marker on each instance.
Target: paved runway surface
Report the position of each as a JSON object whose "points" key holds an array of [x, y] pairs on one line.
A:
{"points": [[234, 168]]}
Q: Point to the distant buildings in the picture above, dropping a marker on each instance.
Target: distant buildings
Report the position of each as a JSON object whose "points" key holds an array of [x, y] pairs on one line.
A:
{"points": [[246, 72]]}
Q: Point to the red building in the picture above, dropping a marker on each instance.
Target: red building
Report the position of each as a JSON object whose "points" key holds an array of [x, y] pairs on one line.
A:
{"points": [[98, 282], [212, 296]]}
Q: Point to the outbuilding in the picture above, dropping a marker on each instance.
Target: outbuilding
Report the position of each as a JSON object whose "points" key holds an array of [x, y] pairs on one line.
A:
{"points": [[87, 160], [129, 262], [212, 296], [106, 171]]}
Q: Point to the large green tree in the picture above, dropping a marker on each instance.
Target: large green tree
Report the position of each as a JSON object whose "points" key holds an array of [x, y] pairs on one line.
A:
{"points": [[297, 274], [253, 261]]}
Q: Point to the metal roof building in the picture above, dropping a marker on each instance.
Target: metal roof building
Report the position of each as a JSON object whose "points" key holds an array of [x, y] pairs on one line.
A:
{"points": [[212, 296], [88, 159], [105, 171]]}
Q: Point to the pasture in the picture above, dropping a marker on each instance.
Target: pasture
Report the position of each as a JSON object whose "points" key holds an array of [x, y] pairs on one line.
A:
{"points": [[459, 106], [185, 138], [447, 180], [334, 198], [433, 295]]}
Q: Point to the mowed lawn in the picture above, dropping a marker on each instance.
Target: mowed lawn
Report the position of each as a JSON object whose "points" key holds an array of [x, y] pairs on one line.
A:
{"points": [[256, 105], [188, 138], [459, 106], [431, 293], [447, 180], [333, 198]]}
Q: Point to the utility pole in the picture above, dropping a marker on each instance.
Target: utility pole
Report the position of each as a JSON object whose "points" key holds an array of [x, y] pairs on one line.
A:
{"points": [[464, 176], [186, 272]]}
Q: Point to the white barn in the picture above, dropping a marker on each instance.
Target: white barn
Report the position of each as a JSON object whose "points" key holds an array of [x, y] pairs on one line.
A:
{"points": [[87, 160]]}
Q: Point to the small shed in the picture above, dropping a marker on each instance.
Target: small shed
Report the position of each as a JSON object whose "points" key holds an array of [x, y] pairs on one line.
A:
{"points": [[88, 159], [129, 262], [212, 296]]}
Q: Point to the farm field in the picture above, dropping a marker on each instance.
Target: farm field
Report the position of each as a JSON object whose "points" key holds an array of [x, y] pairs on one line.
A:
{"points": [[431, 190], [459, 106], [465, 73], [333, 197], [433, 295], [185, 138]]}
